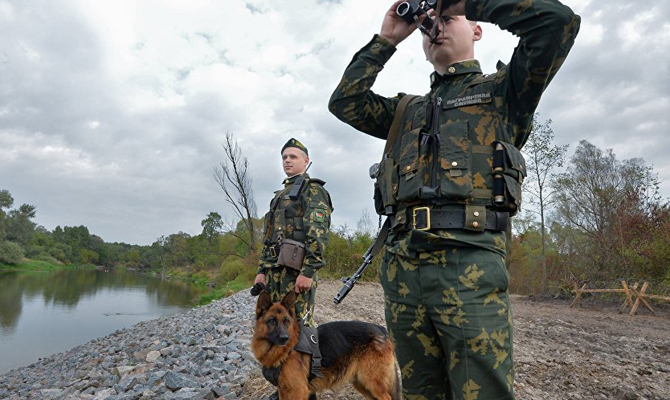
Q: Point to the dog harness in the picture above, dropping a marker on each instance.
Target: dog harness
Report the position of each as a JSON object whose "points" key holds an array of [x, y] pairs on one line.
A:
{"points": [[308, 343]]}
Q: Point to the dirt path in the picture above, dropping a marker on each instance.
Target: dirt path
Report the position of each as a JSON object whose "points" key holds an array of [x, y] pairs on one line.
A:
{"points": [[559, 353]]}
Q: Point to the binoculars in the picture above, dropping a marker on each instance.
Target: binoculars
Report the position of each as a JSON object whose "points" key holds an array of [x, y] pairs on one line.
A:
{"points": [[411, 10]]}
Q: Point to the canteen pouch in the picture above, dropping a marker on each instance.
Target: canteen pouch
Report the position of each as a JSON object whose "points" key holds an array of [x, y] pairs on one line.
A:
{"points": [[509, 171], [291, 254]]}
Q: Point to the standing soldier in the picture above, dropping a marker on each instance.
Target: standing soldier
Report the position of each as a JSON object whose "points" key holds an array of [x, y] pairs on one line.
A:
{"points": [[296, 234], [449, 181]]}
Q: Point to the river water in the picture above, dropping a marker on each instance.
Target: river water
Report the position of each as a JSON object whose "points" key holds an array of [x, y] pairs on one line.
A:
{"points": [[42, 313]]}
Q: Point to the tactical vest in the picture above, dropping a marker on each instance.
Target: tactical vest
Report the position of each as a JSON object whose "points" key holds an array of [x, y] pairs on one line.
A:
{"points": [[446, 153], [285, 220]]}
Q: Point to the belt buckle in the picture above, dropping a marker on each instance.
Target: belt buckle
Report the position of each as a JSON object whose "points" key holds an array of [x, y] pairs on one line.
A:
{"points": [[273, 251], [414, 213]]}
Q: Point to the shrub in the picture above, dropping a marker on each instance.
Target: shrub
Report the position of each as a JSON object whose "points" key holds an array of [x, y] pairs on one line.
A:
{"points": [[232, 269], [10, 253], [47, 257]]}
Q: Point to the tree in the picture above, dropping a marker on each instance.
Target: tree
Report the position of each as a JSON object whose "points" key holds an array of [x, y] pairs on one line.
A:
{"points": [[6, 201], [599, 195], [542, 159], [233, 177], [10, 253], [211, 226], [20, 228]]}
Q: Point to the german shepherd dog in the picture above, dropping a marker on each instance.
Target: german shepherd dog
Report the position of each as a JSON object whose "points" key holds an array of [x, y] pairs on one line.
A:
{"points": [[352, 351]]}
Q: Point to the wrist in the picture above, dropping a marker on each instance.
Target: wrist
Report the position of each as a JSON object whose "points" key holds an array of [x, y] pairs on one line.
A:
{"points": [[389, 39]]}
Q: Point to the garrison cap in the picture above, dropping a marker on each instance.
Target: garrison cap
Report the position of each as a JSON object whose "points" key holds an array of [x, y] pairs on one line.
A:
{"points": [[292, 142]]}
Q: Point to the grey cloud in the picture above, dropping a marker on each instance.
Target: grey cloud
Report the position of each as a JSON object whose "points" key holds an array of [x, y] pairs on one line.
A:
{"points": [[152, 170]]}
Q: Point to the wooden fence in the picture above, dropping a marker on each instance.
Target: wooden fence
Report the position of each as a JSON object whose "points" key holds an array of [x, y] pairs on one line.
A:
{"points": [[634, 297]]}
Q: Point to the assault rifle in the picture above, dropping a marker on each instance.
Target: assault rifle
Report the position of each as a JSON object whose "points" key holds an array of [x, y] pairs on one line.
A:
{"points": [[350, 281], [299, 185]]}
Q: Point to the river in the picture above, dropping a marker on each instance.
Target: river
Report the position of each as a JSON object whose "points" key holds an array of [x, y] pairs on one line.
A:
{"points": [[42, 313]]}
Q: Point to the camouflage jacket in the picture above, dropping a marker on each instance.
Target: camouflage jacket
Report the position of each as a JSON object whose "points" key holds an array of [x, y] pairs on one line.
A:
{"points": [[306, 220], [474, 110]]}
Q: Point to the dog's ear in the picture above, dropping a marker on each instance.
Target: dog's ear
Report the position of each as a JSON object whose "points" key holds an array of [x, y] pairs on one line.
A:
{"points": [[263, 304], [289, 301]]}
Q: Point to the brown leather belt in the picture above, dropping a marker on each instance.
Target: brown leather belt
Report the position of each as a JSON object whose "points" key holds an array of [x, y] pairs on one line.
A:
{"points": [[428, 218]]}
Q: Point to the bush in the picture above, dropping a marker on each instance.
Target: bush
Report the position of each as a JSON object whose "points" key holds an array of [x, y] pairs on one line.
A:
{"points": [[230, 270], [10, 253], [47, 257]]}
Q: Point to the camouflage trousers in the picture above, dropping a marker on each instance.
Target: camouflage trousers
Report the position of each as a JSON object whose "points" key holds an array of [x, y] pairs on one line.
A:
{"points": [[281, 280], [448, 314]]}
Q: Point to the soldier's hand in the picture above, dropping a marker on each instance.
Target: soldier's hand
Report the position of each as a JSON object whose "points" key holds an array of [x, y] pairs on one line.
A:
{"points": [[395, 29], [302, 284], [259, 278]]}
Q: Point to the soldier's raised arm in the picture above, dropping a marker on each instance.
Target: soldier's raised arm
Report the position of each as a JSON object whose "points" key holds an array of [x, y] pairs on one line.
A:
{"points": [[353, 101], [547, 31]]}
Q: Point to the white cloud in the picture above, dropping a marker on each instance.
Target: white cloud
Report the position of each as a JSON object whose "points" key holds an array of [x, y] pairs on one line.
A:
{"points": [[112, 112]]}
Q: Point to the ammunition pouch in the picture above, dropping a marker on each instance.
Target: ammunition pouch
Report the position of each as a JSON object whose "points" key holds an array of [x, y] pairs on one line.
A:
{"points": [[291, 254], [386, 186], [509, 171]]}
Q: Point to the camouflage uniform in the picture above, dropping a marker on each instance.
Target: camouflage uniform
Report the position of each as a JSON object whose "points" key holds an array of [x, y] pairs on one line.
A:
{"points": [[306, 220], [447, 304]]}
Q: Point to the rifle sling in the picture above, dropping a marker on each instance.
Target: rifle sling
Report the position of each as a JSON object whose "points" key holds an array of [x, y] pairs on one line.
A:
{"points": [[381, 238], [394, 130]]}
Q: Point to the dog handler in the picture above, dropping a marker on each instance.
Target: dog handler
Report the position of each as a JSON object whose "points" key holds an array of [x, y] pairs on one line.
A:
{"points": [[450, 182], [296, 234]]}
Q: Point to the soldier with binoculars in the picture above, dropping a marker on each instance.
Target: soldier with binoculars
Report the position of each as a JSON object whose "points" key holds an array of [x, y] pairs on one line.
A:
{"points": [[449, 181]]}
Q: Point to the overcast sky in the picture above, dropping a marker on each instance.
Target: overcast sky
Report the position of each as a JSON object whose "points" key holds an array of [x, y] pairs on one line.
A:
{"points": [[112, 112]]}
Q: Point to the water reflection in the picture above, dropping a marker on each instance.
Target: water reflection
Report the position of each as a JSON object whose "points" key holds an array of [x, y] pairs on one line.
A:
{"points": [[80, 304]]}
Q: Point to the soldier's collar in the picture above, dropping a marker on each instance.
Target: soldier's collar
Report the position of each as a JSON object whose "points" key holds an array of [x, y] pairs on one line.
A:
{"points": [[291, 179], [459, 68]]}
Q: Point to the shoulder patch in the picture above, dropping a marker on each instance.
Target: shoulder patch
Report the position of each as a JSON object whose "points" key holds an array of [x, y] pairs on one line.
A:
{"points": [[317, 180], [319, 215]]}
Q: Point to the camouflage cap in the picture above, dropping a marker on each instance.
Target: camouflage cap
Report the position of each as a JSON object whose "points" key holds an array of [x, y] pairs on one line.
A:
{"points": [[292, 142]]}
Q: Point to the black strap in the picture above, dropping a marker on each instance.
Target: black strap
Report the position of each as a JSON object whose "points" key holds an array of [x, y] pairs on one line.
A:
{"points": [[381, 238], [272, 374], [452, 219], [308, 343]]}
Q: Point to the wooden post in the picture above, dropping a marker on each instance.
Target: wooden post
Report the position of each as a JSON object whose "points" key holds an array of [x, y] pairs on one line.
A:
{"points": [[640, 298], [629, 297], [578, 292]]}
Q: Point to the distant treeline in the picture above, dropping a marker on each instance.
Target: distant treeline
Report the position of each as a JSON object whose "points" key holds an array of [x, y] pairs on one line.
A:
{"points": [[605, 221], [216, 258]]}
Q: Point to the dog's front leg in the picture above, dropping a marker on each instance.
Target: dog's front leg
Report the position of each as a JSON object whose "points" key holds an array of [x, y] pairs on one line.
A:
{"points": [[293, 379]]}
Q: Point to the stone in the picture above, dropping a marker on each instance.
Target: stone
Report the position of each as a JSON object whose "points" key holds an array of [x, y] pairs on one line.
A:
{"points": [[175, 381], [123, 370], [153, 356]]}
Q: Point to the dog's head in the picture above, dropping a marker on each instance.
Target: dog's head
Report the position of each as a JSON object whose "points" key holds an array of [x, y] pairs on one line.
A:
{"points": [[277, 320]]}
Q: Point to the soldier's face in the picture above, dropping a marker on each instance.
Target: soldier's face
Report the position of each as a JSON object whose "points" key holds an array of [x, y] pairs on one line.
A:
{"points": [[456, 41], [294, 161]]}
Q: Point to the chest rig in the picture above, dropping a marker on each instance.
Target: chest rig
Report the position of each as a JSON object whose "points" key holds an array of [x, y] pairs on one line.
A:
{"points": [[451, 148], [285, 220]]}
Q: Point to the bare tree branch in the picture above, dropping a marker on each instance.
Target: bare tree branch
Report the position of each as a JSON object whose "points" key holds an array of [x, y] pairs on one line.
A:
{"points": [[233, 177]]}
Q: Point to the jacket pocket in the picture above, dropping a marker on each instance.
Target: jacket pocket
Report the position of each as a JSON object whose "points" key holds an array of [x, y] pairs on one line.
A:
{"points": [[409, 171], [455, 161]]}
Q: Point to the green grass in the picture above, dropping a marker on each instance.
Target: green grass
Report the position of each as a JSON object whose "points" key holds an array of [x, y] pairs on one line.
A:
{"points": [[35, 265], [230, 288]]}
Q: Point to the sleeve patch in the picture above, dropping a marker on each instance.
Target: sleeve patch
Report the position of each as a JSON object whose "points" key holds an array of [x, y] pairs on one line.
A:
{"points": [[319, 215]]}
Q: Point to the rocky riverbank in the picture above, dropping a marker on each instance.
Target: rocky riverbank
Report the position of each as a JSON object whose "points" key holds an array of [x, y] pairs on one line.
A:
{"points": [[201, 354], [560, 353]]}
